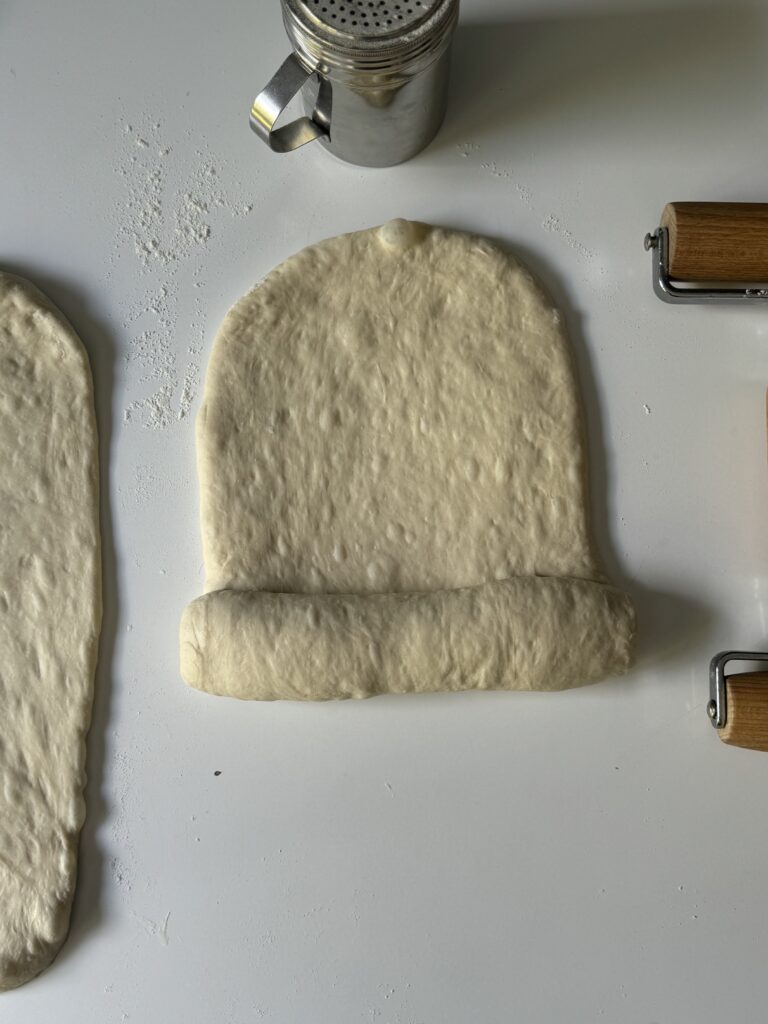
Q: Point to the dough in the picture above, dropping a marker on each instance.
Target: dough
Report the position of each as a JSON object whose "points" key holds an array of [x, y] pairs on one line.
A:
{"points": [[393, 482], [50, 613], [524, 633]]}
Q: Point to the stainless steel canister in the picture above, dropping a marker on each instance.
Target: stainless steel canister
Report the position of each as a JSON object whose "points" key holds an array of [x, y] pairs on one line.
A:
{"points": [[373, 75]]}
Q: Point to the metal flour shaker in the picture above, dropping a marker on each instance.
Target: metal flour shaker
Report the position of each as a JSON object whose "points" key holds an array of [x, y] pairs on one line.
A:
{"points": [[373, 75]]}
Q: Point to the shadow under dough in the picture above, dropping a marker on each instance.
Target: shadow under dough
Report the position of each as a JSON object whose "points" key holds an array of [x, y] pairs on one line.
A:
{"points": [[100, 346]]}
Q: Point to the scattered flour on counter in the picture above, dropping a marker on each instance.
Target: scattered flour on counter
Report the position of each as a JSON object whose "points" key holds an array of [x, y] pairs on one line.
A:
{"points": [[173, 206], [525, 193], [498, 172], [122, 866], [127, 813], [141, 489], [552, 223]]}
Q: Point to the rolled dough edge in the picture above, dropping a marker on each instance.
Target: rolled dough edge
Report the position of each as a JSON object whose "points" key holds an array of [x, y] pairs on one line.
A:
{"points": [[523, 633]]}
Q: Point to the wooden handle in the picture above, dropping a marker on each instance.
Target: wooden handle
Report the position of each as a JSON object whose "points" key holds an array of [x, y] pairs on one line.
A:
{"points": [[746, 724], [717, 241]]}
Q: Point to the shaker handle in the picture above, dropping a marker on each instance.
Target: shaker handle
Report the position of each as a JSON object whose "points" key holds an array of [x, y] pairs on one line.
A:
{"points": [[272, 101]]}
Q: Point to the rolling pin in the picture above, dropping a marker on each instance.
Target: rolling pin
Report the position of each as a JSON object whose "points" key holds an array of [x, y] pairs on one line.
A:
{"points": [[710, 252], [715, 252], [738, 705]]}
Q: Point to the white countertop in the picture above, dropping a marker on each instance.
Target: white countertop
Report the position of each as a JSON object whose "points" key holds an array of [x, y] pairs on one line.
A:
{"points": [[586, 856]]}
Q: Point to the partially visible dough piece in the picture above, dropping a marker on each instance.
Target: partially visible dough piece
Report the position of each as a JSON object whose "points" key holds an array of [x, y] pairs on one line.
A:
{"points": [[393, 482], [50, 614]]}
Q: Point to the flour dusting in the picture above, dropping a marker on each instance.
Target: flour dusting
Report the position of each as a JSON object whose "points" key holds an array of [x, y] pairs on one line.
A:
{"points": [[173, 208], [553, 224], [497, 172]]}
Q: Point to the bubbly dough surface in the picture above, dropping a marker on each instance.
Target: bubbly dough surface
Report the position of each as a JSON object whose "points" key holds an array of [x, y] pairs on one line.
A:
{"points": [[390, 412], [50, 614]]}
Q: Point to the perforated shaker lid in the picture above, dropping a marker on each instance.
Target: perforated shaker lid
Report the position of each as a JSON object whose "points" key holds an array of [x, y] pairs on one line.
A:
{"points": [[374, 18], [332, 27]]}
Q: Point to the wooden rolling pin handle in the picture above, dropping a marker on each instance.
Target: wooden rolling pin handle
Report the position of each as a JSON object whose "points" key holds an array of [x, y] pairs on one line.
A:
{"points": [[746, 724], [717, 241]]}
